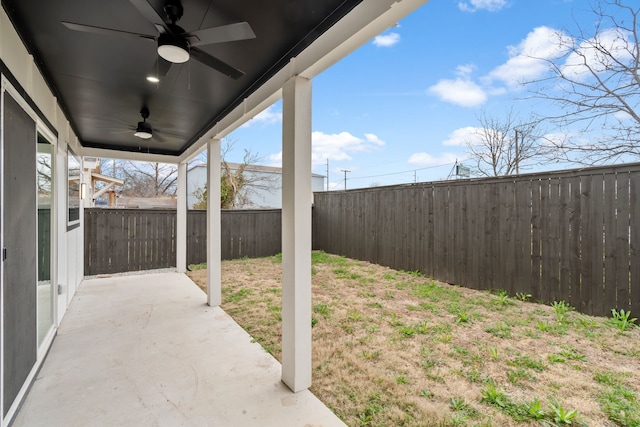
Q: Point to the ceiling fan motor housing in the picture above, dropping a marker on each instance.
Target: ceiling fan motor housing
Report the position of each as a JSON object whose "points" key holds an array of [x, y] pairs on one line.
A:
{"points": [[144, 130], [174, 48], [174, 10]]}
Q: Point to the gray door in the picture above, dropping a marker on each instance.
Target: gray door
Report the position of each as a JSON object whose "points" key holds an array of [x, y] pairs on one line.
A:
{"points": [[19, 268]]}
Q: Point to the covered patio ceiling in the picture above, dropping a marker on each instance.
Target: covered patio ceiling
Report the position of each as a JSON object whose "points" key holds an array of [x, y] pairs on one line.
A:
{"points": [[99, 75]]}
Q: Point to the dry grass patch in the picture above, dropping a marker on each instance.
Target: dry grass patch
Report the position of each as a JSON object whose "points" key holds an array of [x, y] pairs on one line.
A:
{"points": [[394, 348]]}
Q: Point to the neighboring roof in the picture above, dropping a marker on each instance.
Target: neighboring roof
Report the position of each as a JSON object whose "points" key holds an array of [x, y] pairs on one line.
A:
{"points": [[100, 79], [146, 202], [254, 168]]}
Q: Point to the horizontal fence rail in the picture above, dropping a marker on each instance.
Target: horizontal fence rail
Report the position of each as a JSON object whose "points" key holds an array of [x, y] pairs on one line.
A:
{"points": [[121, 240], [571, 235], [245, 233]]}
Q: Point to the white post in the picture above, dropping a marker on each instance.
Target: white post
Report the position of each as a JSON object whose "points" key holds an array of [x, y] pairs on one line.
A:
{"points": [[181, 221], [296, 234], [214, 218]]}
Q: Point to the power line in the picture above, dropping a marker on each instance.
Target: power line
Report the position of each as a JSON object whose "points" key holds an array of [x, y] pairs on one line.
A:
{"points": [[399, 173]]}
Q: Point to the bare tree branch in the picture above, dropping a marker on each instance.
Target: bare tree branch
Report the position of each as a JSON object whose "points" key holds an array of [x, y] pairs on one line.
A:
{"points": [[596, 82], [505, 145]]}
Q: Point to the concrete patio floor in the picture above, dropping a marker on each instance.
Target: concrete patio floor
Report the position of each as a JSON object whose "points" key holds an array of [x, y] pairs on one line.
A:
{"points": [[145, 350]]}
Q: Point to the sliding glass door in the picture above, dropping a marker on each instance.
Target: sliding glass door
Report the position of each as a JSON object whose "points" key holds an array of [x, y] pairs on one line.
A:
{"points": [[45, 295]]}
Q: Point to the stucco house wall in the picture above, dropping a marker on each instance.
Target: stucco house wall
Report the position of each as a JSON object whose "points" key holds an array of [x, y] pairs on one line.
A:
{"points": [[265, 191], [25, 91]]}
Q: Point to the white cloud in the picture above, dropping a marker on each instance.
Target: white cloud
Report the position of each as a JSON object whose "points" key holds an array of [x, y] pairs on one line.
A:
{"points": [[464, 71], [426, 159], [490, 5], [372, 138], [387, 40], [463, 136], [266, 117], [528, 60], [613, 40], [275, 160], [340, 146], [460, 91], [336, 147]]}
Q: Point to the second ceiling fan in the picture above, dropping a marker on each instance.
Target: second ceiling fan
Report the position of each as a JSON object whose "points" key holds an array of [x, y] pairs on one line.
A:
{"points": [[174, 44]]}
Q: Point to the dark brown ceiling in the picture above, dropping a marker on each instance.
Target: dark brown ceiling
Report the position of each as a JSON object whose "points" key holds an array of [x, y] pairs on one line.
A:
{"points": [[100, 80]]}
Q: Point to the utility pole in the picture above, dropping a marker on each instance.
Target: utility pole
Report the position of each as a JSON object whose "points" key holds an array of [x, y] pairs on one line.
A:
{"points": [[517, 159], [345, 177], [327, 174], [415, 177]]}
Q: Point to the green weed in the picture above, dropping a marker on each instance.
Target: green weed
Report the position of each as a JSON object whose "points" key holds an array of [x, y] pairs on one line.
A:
{"points": [[196, 267], [239, 295], [618, 402], [571, 353], [323, 309], [561, 309], [494, 352], [463, 317], [500, 330], [535, 409], [620, 320], [402, 379], [321, 257], [516, 377], [562, 416], [527, 362], [426, 393], [407, 331]]}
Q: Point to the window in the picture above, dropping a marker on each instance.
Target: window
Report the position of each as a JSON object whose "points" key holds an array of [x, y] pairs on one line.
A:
{"points": [[73, 193]]}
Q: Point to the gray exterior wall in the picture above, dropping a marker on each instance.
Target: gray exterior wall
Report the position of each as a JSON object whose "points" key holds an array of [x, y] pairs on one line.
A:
{"points": [[265, 193]]}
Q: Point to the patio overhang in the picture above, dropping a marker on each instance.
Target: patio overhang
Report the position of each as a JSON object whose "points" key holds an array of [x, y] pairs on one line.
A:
{"points": [[67, 72], [99, 80]]}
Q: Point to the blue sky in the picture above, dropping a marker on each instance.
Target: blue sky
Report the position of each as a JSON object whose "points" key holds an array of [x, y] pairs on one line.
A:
{"points": [[402, 106]]}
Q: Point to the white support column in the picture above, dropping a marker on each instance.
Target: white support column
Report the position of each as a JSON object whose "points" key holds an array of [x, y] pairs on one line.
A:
{"points": [[181, 222], [296, 234], [214, 218]]}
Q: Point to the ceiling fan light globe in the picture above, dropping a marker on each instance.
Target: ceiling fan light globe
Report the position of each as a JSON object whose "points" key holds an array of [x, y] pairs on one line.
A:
{"points": [[144, 130], [173, 49], [143, 134]]}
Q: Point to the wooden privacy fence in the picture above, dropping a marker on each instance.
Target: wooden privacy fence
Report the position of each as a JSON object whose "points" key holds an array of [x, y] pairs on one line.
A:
{"points": [[120, 240], [245, 233], [571, 235]]}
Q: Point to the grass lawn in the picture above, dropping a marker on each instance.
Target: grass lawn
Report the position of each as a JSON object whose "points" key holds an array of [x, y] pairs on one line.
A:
{"points": [[395, 348]]}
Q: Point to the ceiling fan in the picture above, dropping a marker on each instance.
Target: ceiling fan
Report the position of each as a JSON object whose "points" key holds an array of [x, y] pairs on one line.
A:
{"points": [[143, 129], [174, 44]]}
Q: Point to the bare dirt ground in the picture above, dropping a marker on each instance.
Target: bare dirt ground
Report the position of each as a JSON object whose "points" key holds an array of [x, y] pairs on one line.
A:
{"points": [[397, 349]]}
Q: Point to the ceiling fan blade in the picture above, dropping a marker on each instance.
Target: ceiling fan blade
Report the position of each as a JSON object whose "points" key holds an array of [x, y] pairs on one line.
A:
{"points": [[216, 64], [105, 31], [150, 13], [225, 33]]}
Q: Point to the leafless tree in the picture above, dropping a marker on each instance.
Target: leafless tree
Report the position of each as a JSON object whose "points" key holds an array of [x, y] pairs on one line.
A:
{"points": [[596, 81], [504, 146], [149, 179]]}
